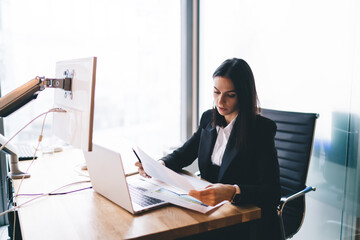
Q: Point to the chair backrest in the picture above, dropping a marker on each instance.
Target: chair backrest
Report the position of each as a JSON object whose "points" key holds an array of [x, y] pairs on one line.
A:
{"points": [[293, 141]]}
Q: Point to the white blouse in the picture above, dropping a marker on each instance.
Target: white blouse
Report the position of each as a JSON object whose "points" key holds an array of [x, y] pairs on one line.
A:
{"points": [[221, 142]]}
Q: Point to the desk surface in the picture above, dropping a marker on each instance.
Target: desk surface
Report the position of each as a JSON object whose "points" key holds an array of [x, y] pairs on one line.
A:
{"points": [[87, 215]]}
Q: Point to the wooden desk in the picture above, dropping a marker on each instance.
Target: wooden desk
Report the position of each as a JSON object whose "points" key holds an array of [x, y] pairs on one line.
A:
{"points": [[88, 215]]}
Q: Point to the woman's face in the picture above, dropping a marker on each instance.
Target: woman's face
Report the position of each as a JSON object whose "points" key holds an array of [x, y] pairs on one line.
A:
{"points": [[225, 98]]}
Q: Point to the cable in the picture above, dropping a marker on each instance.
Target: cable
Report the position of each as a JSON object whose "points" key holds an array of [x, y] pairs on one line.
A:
{"points": [[40, 138], [52, 193], [27, 170], [40, 195], [39, 141], [51, 110]]}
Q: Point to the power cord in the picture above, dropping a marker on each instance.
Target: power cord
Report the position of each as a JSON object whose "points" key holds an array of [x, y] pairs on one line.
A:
{"points": [[44, 113], [39, 141], [52, 193]]}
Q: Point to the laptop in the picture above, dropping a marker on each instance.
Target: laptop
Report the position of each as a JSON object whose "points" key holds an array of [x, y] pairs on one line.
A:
{"points": [[108, 178]]}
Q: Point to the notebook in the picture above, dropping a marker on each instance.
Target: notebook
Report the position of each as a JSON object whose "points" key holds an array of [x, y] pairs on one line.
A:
{"points": [[108, 178]]}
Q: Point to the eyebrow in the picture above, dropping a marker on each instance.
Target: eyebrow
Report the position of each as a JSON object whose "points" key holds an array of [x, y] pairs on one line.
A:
{"points": [[226, 91]]}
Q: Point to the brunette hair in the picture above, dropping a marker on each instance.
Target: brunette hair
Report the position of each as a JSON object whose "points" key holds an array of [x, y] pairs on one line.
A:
{"points": [[240, 74]]}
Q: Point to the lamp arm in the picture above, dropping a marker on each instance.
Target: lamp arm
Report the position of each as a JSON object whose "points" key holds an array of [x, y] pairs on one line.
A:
{"points": [[17, 99], [29, 91]]}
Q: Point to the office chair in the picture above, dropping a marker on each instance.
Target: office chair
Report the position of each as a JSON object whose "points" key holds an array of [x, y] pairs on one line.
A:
{"points": [[293, 141]]}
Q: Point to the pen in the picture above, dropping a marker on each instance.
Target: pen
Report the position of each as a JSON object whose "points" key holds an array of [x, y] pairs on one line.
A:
{"points": [[136, 155]]}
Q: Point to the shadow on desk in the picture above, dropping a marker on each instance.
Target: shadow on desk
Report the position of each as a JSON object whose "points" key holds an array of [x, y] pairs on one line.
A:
{"points": [[243, 231]]}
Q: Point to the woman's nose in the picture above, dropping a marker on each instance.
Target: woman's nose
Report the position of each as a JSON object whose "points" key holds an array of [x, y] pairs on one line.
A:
{"points": [[221, 99]]}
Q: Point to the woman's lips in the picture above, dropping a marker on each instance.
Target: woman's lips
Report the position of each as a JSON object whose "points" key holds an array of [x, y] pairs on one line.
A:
{"points": [[222, 109]]}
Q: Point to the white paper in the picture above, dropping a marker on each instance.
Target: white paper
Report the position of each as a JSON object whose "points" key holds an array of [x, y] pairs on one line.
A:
{"points": [[173, 187], [156, 170], [169, 194], [196, 182], [182, 200]]}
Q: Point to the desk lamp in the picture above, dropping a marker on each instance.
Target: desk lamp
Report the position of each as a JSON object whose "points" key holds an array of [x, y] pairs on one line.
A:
{"points": [[20, 97]]}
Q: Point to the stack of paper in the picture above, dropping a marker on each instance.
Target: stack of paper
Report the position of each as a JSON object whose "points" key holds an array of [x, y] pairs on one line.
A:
{"points": [[174, 187]]}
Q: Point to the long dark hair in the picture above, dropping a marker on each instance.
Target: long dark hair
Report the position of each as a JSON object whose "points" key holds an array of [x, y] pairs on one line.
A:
{"points": [[239, 72]]}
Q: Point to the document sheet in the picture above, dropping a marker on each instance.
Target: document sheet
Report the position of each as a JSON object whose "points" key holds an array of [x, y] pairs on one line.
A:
{"points": [[172, 186]]}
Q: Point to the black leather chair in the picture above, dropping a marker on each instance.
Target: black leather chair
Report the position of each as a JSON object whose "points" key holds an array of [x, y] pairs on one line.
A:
{"points": [[293, 141]]}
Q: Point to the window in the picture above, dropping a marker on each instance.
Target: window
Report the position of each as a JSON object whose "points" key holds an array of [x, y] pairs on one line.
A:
{"points": [[137, 44], [305, 57]]}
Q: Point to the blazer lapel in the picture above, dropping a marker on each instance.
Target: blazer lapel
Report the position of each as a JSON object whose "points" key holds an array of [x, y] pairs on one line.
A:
{"points": [[229, 155], [207, 142]]}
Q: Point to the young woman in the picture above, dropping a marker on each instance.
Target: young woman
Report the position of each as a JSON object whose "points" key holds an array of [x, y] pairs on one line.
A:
{"points": [[235, 148]]}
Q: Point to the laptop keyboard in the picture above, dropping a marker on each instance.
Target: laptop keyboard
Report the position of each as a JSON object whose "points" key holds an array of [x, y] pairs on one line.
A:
{"points": [[25, 152], [138, 196]]}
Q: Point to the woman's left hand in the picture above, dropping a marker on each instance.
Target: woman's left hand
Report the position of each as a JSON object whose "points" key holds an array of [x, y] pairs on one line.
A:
{"points": [[214, 194]]}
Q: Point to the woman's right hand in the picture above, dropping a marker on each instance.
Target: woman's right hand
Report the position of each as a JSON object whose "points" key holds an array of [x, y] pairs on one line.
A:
{"points": [[141, 170]]}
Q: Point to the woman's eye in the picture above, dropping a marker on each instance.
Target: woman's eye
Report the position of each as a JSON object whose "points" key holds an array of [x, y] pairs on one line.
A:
{"points": [[231, 95], [215, 92]]}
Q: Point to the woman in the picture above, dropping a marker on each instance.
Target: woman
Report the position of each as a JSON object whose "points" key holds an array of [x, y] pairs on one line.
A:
{"points": [[235, 148]]}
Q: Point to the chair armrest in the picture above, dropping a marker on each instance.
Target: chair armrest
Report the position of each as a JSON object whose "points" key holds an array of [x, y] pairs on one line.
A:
{"points": [[289, 198]]}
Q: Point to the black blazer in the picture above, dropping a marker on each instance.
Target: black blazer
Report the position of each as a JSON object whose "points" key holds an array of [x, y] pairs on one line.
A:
{"points": [[255, 169]]}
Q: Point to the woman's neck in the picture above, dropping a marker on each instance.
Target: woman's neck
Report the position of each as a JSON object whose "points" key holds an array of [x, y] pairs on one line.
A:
{"points": [[230, 118]]}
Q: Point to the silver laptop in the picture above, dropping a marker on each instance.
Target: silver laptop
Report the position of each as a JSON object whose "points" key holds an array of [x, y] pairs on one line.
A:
{"points": [[108, 179]]}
